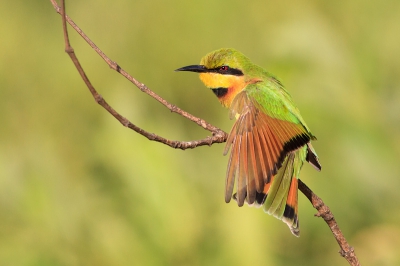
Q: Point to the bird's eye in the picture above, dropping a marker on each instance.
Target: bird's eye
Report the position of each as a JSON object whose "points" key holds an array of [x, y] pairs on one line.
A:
{"points": [[224, 68]]}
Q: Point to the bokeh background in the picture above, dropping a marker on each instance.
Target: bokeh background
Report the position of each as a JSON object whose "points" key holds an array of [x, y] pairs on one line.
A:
{"points": [[77, 188]]}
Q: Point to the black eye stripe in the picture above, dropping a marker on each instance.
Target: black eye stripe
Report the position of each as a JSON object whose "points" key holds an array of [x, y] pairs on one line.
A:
{"points": [[229, 71]]}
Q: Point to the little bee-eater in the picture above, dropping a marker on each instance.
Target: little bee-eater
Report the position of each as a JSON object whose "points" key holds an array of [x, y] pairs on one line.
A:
{"points": [[269, 141]]}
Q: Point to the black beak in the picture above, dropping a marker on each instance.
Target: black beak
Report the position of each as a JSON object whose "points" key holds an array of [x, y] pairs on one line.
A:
{"points": [[194, 68]]}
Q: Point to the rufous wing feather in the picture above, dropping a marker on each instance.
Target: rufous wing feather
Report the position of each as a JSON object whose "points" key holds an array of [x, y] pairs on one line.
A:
{"points": [[259, 144]]}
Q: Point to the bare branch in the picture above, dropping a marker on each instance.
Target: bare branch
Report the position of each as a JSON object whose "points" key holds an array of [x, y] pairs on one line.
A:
{"points": [[218, 136], [325, 213]]}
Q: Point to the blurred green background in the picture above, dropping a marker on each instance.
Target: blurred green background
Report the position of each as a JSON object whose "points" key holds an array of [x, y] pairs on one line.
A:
{"points": [[77, 188]]}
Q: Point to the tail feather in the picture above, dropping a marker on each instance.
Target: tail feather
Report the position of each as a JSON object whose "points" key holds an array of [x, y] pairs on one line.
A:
{"points": [[277, 193], [290, 215], [279, 196]]}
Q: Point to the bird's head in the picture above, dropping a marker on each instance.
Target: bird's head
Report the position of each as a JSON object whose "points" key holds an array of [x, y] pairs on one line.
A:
{"points": [[226, 72]]}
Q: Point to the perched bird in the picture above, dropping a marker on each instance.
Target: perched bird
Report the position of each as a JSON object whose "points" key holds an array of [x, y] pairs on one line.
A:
{"points": [[269, 141]]}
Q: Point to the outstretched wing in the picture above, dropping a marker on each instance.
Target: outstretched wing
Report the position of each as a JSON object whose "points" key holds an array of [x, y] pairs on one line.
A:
{"points": [[259, 141]]}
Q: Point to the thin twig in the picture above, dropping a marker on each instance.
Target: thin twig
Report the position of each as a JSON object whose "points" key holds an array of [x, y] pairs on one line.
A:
{"points": [[325, 213], [219, 136]]}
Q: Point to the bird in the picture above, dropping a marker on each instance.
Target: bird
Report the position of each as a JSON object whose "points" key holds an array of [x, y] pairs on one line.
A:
{"points": [[269, 141]]}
